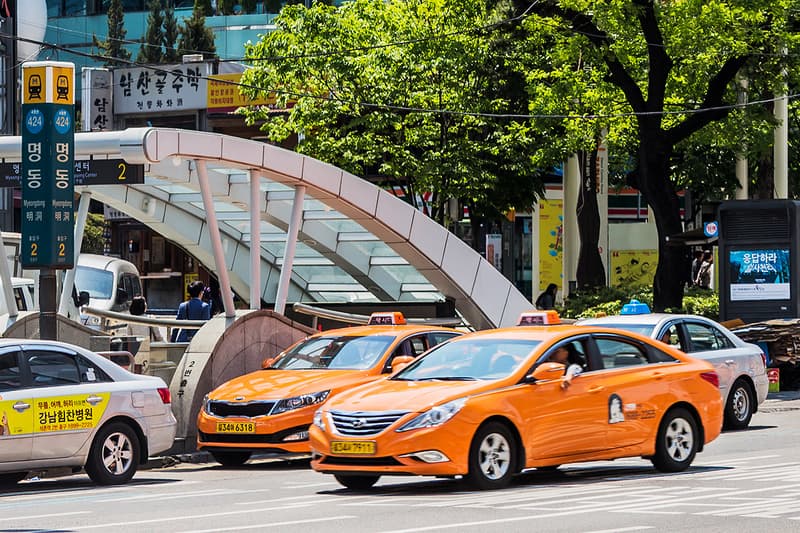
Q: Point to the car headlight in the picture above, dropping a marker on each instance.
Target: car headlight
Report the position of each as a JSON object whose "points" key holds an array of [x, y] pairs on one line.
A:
{"points": [[290, 404], [319, 419], [435, 416], [205, 404]]}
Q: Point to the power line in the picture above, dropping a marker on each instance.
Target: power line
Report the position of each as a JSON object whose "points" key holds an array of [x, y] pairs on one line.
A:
{"points": [[410, 109]]}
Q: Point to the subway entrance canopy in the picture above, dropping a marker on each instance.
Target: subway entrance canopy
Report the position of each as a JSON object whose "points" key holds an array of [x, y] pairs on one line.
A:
{"points": [[345, 239]]}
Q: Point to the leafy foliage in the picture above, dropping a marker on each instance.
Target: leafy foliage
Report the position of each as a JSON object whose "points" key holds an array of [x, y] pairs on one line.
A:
{"points": [[171, 33], [93, 240], [609, 301], [195, 37], [150, 51], [112, 48], [396, 92]]}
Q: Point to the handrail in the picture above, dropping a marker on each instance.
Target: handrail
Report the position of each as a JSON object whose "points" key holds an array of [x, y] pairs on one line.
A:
{"points": [[364, 319], [141, 319]]}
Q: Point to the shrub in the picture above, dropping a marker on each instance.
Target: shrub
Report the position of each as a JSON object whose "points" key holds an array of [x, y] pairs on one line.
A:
{"points": [[609, 300]]}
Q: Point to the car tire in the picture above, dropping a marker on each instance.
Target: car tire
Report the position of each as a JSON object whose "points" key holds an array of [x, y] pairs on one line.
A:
{"points": [[676, 442], [492, 457], [231, 458], [361, 482], [12, 478], [114, 455], [739, 407]]}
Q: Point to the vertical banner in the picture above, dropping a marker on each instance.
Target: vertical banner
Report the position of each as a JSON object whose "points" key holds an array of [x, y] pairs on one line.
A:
{"points": [[551, 231], [494, 250], [96, 104], [48, 161]]}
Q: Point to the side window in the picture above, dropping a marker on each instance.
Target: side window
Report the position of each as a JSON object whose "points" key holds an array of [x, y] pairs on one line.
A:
{"points": [[439, 337], [10, 376], [89, 372], [702, 338], [670, 336], [131, 285], [419, 344], [19, 296], [617, 353], [50, 368], [724, 342]]}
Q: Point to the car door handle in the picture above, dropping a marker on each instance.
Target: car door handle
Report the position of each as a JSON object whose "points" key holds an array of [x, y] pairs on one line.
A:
{"points": [[21, 406], [598, 388], [94, 400], [657, 375], [730, 362]]}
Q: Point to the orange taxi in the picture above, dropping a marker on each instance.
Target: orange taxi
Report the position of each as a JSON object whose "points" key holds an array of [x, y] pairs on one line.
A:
{"points": [[269, 410], [492, 403]]}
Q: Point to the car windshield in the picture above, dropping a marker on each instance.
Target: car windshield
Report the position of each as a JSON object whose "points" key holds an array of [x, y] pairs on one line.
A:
{"points": [[641, 329], [335, 353], [98, 283], [470, 360]]}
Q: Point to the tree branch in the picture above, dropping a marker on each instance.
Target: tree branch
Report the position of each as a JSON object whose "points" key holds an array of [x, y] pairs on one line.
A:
{"points": [[660, 62]]}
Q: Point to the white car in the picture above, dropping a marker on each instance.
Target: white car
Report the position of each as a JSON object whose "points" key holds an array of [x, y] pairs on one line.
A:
{"points": [[741, 366], [65, 407]]}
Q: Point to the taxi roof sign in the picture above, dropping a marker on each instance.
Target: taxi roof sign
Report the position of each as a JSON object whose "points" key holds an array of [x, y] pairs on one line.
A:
{"points": [[635, 307], [539, 318], [395, 318]]}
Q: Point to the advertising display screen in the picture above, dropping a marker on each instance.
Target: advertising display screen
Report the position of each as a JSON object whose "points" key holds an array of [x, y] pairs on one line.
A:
{"points": [[759, 274]]}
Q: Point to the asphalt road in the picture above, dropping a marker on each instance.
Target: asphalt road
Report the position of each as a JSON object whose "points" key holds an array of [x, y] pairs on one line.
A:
{"points": [[744, 481]]}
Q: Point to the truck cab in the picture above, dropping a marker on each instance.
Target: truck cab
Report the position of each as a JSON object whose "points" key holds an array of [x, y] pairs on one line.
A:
{"points": [[110, 282]]}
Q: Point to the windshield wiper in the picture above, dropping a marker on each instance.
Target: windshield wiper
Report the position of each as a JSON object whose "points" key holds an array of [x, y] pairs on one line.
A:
{"points": [[449, 378]]}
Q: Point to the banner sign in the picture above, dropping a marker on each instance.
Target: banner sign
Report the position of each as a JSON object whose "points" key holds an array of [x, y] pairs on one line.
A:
{"points": [[85, 172], [48, 142], [165, 88], [96, 99], [759, 274], [224, 95]]}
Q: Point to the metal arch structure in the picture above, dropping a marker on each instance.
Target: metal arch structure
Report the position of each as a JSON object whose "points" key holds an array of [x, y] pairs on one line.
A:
{"points": [[342, 237]]}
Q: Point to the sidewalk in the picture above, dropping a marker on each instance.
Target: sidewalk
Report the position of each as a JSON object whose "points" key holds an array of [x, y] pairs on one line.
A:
{"points": [[781, 401]]}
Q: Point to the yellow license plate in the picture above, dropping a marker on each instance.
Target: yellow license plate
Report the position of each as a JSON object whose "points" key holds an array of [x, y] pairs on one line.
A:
{"points": [[236, 427], [353, 447]]}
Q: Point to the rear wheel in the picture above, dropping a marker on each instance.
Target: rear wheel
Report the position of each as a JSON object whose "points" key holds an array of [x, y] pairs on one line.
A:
{"points": [[12, 478], [739, 408], [676, 443], [231, 458], [362, 482], [491, 457], [114, 456]]}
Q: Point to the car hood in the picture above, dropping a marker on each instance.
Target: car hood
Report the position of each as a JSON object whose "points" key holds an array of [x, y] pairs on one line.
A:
{"points": [[415, 396], [277, 384]]}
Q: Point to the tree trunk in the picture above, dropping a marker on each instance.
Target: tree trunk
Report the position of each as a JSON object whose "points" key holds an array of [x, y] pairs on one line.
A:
{"points": [[652, 179], [590, 272]]}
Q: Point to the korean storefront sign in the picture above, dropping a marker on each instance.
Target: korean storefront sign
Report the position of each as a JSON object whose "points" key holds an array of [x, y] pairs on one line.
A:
{"points": [[161, 89], [96, 97], [48, 141]]}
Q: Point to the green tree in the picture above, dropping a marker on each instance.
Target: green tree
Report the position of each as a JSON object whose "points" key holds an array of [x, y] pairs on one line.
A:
{"points": [[661, 77], [150, 51], [410, 114], [113, 47], [93, 241], [195, 37], [171, 33]]}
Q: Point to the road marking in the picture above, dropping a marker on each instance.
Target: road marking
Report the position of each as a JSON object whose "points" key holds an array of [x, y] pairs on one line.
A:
{"points": [[620, 530], [33, 517], [272, 524]]}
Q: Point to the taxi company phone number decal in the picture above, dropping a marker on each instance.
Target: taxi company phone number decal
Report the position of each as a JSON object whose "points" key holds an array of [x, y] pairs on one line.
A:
{"points": [[62, 413]]}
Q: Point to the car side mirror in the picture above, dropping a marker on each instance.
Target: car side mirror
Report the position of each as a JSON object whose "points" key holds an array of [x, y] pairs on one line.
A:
{"points": [[83, 298], [266, 363], [547, 372], [122, 296], [401, 361]]}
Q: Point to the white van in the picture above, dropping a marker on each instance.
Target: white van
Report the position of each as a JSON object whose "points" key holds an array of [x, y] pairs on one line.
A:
{"points": [[110, 282]]}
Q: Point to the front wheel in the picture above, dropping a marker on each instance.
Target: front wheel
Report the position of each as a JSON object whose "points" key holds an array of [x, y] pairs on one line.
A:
{"points": [[676, 443], [231, 458], [357, 482], [739, 407], [114, 456], [491, 457]]}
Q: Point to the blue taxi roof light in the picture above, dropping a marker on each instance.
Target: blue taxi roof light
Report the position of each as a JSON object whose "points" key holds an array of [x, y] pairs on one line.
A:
{"points": [[635, 307]]}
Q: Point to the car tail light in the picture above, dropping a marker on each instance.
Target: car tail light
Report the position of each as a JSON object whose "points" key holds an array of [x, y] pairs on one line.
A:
{"points": [[711, 377], [166, 397], [764, 359]]}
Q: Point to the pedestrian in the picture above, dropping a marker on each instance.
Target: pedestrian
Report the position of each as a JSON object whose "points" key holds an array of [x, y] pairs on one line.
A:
{"points": [[696, 263], [212, 297], [547, 300], [192, 309], [139, 308], [705, 274]]}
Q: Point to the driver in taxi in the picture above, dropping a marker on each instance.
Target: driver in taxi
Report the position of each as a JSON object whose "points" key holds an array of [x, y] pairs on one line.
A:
{"points": [[568, 356]]}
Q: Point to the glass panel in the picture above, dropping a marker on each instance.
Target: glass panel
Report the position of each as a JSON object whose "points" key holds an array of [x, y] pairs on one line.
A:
{"points": [[52, 368], [10, 377]]}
